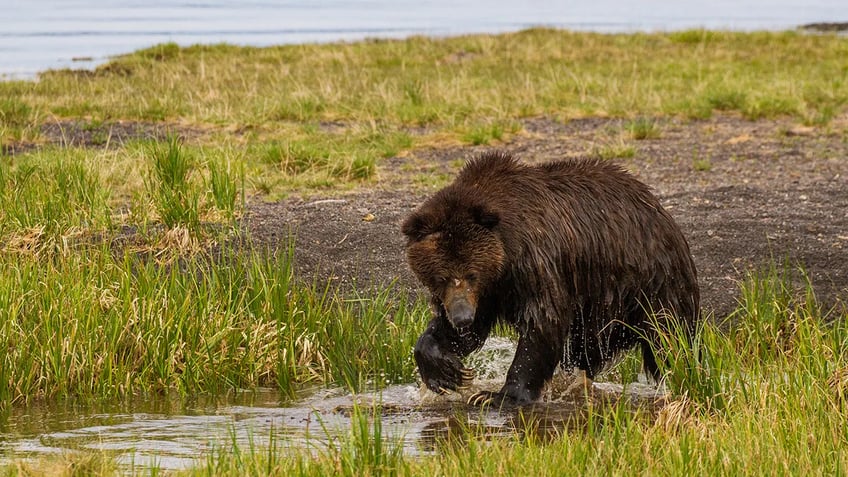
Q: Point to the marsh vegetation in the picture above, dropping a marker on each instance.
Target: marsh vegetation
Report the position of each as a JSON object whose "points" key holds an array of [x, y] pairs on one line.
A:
{"points": [[126, 268]]}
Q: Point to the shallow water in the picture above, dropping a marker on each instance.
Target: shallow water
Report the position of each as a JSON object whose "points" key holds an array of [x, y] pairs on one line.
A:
{"points": [[173, 434], [42, 34]]}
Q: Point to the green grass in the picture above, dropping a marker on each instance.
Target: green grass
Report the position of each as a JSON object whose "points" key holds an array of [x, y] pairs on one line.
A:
{"points": [[14, 113], [98, 324], [721, 98], [486, 133], [351, 155], [227, 187], [765, 391], [702, 164], [47, 199], [412, 81], [325, 115], [55, 199], [176, 201], [643, 128], [614, 150]]}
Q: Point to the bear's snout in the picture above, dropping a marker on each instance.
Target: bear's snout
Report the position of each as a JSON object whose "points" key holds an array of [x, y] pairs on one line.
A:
{"points": [[460, 304], [460, 313]]}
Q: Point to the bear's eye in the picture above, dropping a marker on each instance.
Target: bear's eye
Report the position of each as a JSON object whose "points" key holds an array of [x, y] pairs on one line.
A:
{"points": [[471, 277]]}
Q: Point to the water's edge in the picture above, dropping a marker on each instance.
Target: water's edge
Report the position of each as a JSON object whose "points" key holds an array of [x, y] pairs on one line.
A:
{"points": [[44, 34]]}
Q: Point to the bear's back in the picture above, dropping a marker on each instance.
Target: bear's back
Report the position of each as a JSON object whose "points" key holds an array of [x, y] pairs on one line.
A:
{"points": [[586, 185]]}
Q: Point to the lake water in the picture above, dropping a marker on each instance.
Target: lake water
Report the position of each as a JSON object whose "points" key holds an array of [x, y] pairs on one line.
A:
{"points": [[42, 34]]}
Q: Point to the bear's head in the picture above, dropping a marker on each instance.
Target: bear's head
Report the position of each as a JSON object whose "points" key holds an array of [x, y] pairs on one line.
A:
{"points": [[455, 250]]}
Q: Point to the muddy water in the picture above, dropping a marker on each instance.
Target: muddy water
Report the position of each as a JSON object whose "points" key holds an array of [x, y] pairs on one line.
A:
{"points": [[174, 434]]}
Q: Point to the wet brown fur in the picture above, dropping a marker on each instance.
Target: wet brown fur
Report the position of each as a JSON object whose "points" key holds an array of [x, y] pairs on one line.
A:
{"points": [[574, 254]]}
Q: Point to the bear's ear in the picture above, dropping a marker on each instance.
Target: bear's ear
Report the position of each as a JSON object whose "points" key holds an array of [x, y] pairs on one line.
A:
{"points": [[416, 227], [485, 217]]}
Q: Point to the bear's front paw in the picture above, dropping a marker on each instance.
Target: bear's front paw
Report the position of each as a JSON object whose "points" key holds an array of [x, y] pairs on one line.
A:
{"points": [[449, 376], [441, 371]]}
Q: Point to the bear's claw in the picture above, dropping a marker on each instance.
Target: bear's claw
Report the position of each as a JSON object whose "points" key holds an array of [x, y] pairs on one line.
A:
{"points": [[466, 375], [448, 379], [479, 399], [488, 398]]}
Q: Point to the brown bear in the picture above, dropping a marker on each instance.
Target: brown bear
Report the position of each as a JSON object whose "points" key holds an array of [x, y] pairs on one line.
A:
{"points": [[577, 255]]}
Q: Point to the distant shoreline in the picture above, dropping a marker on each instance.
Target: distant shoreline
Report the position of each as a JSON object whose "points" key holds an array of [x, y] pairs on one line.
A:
{"points": [[826, 26], [91, 62], [40, 35]]}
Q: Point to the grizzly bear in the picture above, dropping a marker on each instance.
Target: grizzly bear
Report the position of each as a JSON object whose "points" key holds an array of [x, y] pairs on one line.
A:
{"points": [[577, 255]]}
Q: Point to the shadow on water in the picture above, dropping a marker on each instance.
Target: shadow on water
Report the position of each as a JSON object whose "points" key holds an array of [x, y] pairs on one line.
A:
{"points": [[174, 433]]}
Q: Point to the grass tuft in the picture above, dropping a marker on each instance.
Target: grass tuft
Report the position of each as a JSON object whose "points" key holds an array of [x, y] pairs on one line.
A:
{"points": [[224, 183], [725, 99], [643, 128], [695, 364], [349, 154], [176, 199], [47, 200], [484, 134], [770, 107], [14, 112], [614, 150], [367, 450]]}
